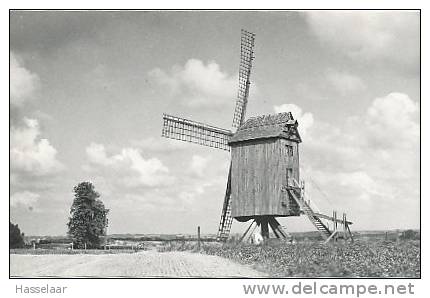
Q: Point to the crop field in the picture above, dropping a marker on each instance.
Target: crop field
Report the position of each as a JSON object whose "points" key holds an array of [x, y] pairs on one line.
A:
{"points": [[358, 259]]}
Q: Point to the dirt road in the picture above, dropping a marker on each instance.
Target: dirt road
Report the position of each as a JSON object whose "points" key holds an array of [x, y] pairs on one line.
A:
{"points": [[142, 264]]}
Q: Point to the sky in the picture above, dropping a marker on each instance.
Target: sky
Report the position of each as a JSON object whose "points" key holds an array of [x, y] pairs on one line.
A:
{"points": [[88, 90]]}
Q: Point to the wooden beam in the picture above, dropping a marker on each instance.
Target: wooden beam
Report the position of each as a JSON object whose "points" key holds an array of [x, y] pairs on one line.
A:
{"points": [[246, 232], [273, 222], [264, 227], [331, 236], [331, 218], [274, 228], [198, 237], [352, 238]]}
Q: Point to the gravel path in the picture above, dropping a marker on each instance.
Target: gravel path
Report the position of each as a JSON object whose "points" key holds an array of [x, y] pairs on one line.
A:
{"points": [[142, 264]]}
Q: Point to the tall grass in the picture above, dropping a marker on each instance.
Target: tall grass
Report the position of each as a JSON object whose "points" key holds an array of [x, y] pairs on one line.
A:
{"points": [[315, 259]]}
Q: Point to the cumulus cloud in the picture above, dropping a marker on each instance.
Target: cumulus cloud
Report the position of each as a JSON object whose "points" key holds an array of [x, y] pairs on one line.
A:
{"points": [[344, 82], [150, 172], [393, 119], [197, 83], [370, 160], [305, 120], [30, 153], [392, 35], [24, 198], [23, 82]]}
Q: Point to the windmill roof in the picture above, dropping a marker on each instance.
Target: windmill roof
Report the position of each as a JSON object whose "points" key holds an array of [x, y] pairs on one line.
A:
{"points": [[280, 125]]}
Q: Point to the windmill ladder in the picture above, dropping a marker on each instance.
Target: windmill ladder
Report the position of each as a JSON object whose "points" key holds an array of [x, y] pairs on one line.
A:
{"points": [[315, 220]]}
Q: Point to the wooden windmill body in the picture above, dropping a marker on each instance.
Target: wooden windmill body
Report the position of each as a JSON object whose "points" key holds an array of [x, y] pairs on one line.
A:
{"points": [[264, 180], [265, 156]]}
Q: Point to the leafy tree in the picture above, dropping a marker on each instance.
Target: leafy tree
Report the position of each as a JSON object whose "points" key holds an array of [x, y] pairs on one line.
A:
{"points": [[88, 221], [16, 238]]}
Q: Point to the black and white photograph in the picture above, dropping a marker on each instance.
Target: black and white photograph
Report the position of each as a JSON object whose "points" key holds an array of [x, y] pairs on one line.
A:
{"points": [[214, 144]]}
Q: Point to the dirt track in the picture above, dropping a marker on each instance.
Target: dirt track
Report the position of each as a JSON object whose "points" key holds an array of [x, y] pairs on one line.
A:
{"points": [[142, 264]]}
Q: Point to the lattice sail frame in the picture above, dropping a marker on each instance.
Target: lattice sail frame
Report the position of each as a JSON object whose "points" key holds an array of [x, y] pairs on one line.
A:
{"points": [[246, 57], [211, 136], [195, 132]]}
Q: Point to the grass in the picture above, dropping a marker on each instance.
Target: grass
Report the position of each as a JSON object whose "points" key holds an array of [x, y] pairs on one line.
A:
{"points": [[314, 259]]}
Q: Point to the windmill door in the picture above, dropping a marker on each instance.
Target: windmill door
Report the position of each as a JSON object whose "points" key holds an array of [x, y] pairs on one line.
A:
{"points": [[289, 173]]}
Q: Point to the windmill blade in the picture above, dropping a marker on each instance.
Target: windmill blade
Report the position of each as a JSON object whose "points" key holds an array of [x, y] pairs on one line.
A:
{"points": [[246, 57], [226, 218], [195, 132]]}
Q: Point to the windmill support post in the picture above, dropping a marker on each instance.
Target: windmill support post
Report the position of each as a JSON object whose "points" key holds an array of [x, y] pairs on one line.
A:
{"points": [[245, 235], [277, 229], [264, 223]]}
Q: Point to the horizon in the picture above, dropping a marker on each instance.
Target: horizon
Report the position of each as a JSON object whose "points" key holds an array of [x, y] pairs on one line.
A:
{"points": [[234, 233]]}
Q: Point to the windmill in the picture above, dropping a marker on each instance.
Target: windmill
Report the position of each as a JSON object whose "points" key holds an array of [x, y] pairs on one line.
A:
{"points": [[263, 177]]}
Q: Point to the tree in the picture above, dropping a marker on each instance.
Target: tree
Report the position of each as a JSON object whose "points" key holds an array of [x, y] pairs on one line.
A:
{"points": [[88, 221], [16, 238], [410, 235]]}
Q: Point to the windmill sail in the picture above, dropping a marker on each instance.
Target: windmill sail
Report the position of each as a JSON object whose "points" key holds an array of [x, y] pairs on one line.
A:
{"points": [[246, 57], [226, 219], [195, 132]]}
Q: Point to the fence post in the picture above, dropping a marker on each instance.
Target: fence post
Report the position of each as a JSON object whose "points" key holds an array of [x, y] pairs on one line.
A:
{"points": [[335, 224], [198, 237]]}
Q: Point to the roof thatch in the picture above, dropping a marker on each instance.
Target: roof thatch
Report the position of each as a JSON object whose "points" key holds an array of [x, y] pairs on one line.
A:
{"points": [[280, 125]]}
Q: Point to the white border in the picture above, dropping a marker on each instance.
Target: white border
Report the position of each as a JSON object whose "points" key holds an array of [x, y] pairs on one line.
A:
{"points": [[180, 287]]}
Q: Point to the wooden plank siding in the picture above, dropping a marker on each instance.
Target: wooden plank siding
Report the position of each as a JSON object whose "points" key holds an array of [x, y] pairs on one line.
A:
{"points": [[259, 170]]}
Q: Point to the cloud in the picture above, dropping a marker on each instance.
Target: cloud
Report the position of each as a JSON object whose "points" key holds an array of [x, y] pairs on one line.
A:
{"points": [[23, 82], [392, 120], [24, 198], [343, 82], [97, 154], [29, 153], [198, 84], [369, 35], [368, 161], [150, 172], [199, 165], [305, 120], [158, 144]]}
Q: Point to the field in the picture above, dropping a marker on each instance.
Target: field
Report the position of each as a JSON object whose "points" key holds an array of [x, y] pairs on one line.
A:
{"points": [[309, 259], [363, 258]]}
